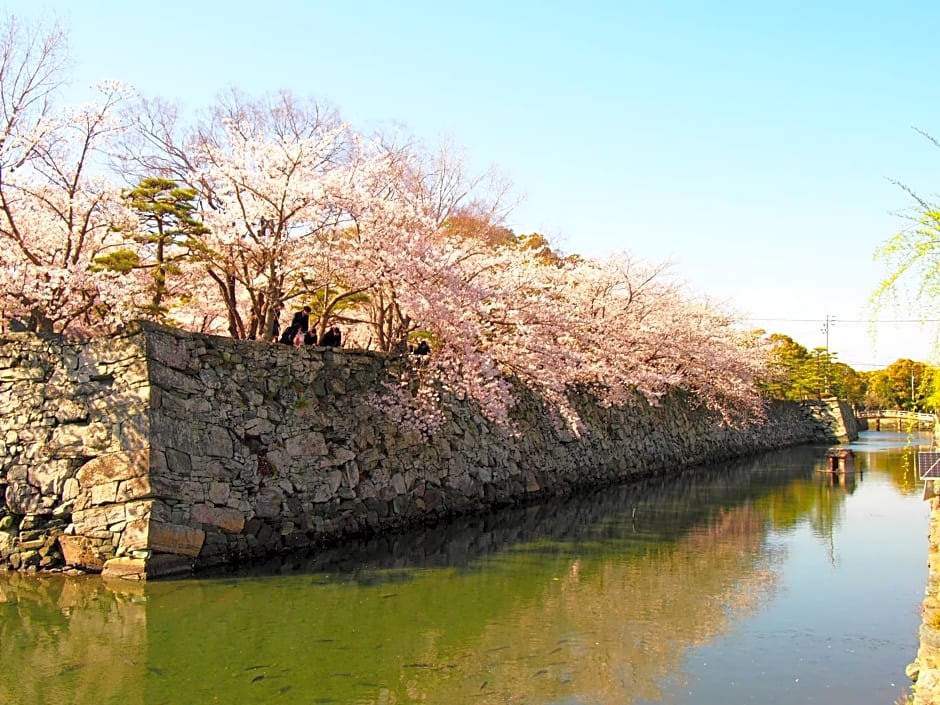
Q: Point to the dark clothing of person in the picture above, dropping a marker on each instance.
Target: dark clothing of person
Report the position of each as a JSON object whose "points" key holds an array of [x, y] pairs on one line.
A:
{"points": [[310, 337], [287, 337], [276, 324], [301, 321], [423, 348], [332, 338]]}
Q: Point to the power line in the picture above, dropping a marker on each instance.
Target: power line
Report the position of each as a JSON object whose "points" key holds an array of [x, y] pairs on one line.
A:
{"points": [[890, 320], [849, 320], [854, 363]]}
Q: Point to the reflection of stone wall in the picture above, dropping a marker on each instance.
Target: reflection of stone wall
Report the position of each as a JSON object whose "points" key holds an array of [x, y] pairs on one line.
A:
{"points": [[158, 451], [59, 638]]}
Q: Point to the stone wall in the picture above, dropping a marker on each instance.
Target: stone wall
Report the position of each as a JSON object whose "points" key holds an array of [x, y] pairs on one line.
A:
{"points": [[835, 418], [63, 409], [156, 451], [925, 671]]}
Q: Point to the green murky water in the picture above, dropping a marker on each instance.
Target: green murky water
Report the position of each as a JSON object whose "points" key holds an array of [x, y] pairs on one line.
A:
{"points": [[755, 582]]}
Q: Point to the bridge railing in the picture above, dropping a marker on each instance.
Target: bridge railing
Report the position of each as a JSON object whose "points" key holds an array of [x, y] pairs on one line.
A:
{"points": [[896, 414]]}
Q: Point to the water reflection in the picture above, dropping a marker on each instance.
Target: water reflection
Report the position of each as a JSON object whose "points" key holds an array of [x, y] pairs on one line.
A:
{"points": [[70, 640], [894, 453], [598, 598]]}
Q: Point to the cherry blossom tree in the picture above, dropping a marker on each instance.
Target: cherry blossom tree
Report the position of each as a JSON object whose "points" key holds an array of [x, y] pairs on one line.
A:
{"points": [[265, 172], [32, 63], [632, 328], [501, 310], [274, 202], [430, 206], [615, 328], [56, 210]]}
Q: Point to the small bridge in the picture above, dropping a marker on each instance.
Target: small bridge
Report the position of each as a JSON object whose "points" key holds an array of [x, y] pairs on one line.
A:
{"points": [[898, 417]]}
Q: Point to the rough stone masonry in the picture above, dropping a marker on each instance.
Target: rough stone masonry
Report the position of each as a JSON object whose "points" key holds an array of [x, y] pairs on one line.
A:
{"points": [[155, 452]]}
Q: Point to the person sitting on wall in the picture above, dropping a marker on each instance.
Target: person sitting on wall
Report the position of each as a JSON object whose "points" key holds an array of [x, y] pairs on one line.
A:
{"points": [[287, 337], [17, 326], [332, 338], [421, 352]]}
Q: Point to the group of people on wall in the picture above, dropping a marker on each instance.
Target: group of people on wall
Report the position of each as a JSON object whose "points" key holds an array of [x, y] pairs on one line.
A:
{"points": [[299, 333]]}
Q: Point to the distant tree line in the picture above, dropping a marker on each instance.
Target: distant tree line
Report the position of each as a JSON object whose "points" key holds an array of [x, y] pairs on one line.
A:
{"points": [[795, 373]]}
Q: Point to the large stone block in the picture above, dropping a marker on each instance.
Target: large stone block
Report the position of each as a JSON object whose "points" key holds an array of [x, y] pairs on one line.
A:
{"points": [[70, 489], [218, 443], [21, 373], [323, 493], [191, 437], [168, 350], [97, 518], [125, 568], [165, 566], [21, 498], [7, 544], [311, 445], [134, 488], [338, 456], [142, 509], [257, 427], [104, 493], [219, 492], [70, 411], [230, 521], [178, 462], [49, 477], [79, 439], [188, 437], [82, 552], [174, 538], [113, 466], [268, 503], [134, 537], [146, 534], [171, 380]]}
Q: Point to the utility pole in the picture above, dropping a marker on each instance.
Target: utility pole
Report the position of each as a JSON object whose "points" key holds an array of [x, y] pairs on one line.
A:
{"points": [[830, 320]]}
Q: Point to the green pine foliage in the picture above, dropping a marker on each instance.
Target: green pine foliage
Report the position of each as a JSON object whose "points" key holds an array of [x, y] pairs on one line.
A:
{"points": [[165, 233]]}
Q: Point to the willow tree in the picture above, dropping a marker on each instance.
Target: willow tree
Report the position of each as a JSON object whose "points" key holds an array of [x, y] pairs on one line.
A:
{"points": [[912, 256]]}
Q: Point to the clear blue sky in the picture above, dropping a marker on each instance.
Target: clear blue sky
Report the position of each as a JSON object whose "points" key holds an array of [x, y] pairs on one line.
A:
{"points": [[752, 143]]}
